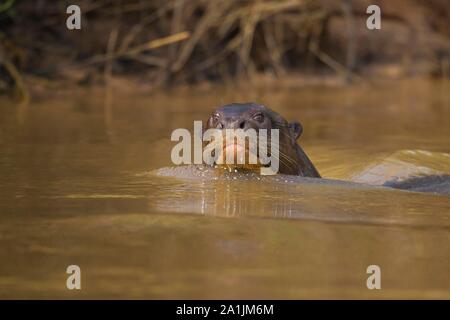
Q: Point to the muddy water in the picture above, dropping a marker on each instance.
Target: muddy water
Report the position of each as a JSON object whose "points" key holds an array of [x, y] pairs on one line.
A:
{"points": [[77, 187]]}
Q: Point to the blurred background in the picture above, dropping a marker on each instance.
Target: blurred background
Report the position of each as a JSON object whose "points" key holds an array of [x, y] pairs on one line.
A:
{"points": [[161, 43]]}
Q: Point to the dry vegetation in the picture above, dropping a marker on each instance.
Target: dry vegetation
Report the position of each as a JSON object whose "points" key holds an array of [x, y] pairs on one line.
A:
{"points": [[168, 42]]}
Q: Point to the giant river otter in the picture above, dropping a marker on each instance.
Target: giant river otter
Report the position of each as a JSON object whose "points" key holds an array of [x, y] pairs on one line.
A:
{"points": [[292, 159]]}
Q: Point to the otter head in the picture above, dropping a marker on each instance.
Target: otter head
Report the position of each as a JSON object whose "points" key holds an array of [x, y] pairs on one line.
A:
{"points": [[246, 116]]}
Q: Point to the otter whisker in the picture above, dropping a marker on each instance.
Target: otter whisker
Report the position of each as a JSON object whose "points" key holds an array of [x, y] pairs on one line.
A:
{"points": [[282, 160], [289, 159]]}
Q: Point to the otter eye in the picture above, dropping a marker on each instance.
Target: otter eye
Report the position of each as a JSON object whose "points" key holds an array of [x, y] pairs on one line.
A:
{"points": [[258, 117], [214, 118], [215, 121]]}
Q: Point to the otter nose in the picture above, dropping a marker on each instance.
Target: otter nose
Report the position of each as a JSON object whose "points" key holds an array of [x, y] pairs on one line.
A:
{"points": [[236, 124], [241, 124]]}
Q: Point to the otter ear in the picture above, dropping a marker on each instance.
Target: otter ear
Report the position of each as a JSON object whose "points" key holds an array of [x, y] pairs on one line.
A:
{"points": [[296, 129]]}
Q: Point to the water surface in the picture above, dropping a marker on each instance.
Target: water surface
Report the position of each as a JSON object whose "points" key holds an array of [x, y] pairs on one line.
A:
{"points": [[77, 186]]}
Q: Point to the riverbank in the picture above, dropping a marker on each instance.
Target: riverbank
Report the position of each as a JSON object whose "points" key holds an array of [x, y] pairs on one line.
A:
{"points": [[201, 43]]}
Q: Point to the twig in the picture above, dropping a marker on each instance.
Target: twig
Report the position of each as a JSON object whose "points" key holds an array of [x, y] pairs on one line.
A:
{"points": [[151, 45], [15, 75], [329, 61]]}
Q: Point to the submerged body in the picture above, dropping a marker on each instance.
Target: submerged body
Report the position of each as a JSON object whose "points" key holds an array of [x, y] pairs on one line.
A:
{"points": [[295, 162]]}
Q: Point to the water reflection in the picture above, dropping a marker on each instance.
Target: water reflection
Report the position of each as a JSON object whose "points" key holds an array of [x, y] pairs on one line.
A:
{"points": [[305, 199]]}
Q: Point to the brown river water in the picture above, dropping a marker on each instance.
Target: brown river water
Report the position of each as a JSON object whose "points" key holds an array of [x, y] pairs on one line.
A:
{"points": [[78, 187]]}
